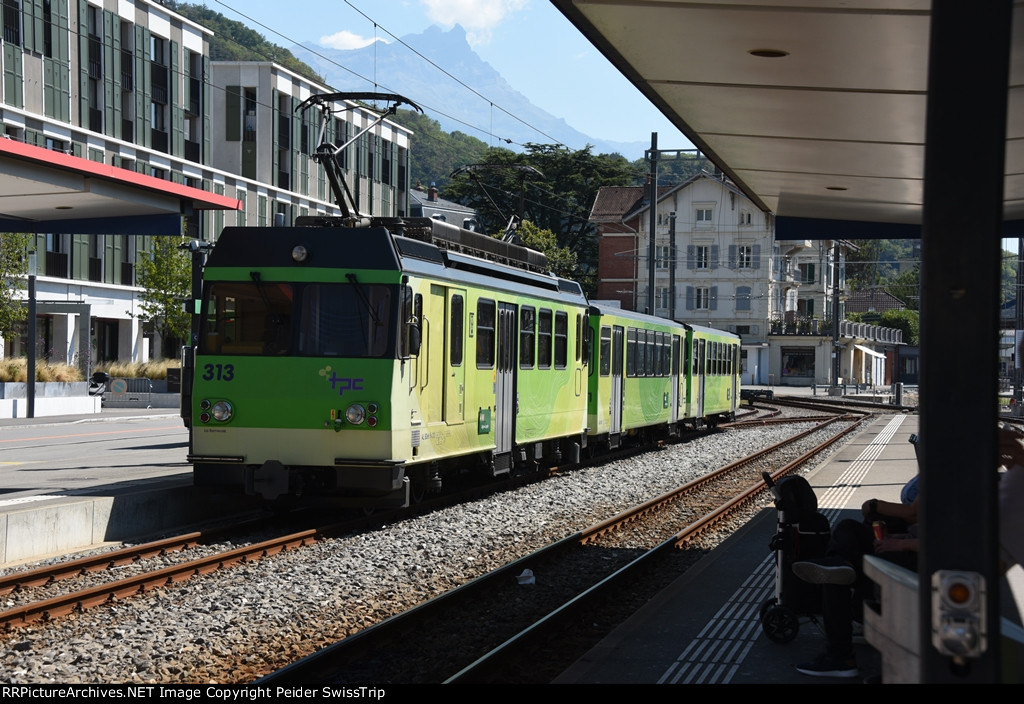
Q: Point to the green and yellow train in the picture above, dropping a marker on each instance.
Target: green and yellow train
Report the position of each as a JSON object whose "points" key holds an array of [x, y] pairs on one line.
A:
{"points": [[368, 364]]}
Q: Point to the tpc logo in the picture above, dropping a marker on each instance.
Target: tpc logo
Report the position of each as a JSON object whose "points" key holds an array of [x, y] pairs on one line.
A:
{"points": [[341, 383]]}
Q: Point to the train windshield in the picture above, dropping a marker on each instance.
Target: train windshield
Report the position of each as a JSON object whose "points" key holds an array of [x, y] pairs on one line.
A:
{"points": [[247, 318], [345, 320], [271, 318]]}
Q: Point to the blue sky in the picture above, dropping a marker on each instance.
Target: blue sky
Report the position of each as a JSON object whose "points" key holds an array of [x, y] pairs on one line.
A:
{"points": [[561, 72]]}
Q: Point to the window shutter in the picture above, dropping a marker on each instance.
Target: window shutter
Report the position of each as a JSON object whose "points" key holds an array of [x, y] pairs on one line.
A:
{"points": [[714, 298], [732, 256], [757, 256], [714, 256], [689, 298]]}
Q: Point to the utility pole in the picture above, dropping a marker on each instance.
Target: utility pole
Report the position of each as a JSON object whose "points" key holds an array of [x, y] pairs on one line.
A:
{"points": [[30, 386], [652, 229], [1018, 328], [654, 155], [835, 321], [672, 264]]}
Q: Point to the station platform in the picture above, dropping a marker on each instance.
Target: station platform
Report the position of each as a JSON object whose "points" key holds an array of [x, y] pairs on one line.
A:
{"points": [[65, 503]]}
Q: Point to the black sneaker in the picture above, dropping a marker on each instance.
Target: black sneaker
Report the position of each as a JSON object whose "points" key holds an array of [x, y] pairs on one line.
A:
{"points": [[828, 666], [823, 573], [858, 634]]}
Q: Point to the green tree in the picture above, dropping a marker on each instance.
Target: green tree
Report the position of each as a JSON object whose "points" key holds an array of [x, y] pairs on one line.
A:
{"points": [[234, 41], [906, 320], [558, 198], [166, 278], [907, 287], [562, 261], [13, 267]]}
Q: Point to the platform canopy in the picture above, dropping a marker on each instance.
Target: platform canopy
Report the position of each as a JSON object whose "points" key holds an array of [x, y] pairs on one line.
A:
{"points": [[47, 191], [816, 109]]}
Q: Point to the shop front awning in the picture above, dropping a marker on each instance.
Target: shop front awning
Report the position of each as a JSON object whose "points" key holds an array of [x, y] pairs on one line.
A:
{"points": [[868, 350]]}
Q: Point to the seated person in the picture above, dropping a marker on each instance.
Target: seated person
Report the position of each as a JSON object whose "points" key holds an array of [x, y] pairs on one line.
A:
{"points": [[840, 573]]}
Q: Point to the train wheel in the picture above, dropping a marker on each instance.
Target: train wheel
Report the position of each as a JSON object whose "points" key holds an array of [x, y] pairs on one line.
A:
{"points": [[417, 492], [780, 624]]}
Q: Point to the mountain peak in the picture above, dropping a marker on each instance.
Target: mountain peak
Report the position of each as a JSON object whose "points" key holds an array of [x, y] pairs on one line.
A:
{"points": [[446, 77]]}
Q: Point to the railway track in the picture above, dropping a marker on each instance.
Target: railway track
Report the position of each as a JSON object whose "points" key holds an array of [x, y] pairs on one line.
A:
{"points": [[145, 578], [488, 630]]}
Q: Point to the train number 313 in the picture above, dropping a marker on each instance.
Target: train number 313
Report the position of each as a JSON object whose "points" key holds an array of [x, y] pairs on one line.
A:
{"points": [[220, 372]]}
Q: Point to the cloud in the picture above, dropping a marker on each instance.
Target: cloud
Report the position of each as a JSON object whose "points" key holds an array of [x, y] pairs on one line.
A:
{"points": [[478, 17], [347, 40]]}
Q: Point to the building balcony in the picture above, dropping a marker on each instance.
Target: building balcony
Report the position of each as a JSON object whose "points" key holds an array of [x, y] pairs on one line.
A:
{"points": [[793, 246], [790, 323], [159, 140], [57, 264], [193, 151]]}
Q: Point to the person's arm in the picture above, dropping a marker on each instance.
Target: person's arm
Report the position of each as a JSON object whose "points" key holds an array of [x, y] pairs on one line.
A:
{"points": [[908, 512], [896, 543]]}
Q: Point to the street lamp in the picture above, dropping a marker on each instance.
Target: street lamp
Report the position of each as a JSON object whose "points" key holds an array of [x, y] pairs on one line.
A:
{"points": [[30, 387]]}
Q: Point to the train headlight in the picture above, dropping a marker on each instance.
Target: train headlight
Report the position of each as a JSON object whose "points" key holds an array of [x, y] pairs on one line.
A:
{"points": [[355, 414], [222, 411]]}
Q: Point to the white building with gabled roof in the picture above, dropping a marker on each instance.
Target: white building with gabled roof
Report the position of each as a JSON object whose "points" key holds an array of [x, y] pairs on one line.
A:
{"points": [[717, 263]]}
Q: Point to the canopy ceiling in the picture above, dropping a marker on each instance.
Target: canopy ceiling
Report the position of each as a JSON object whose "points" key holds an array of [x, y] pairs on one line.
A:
{"points": [[815, 109]]}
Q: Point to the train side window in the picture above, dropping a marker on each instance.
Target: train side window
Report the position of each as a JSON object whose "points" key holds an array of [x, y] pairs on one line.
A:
{"points": [[649, 346], [561, 340], [544, 339], [485, 334], [527, 335], [579, 336], [409, 330], [584, 355], [456, 331], [631, 353], [606, 350]]}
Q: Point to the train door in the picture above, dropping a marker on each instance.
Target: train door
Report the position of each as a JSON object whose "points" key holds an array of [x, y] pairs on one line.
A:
{"points": [[699, 369], [618, 339], [504, 382], [432, 356], [734, 369], [455, 374], [675, 401]]}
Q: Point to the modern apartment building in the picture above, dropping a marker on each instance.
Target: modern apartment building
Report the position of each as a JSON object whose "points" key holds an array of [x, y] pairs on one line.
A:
{"points": [[129, 84], [717, 263]]}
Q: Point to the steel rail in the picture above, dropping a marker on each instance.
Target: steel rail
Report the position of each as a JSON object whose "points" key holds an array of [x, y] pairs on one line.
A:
{"points": [[120, 589]]}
